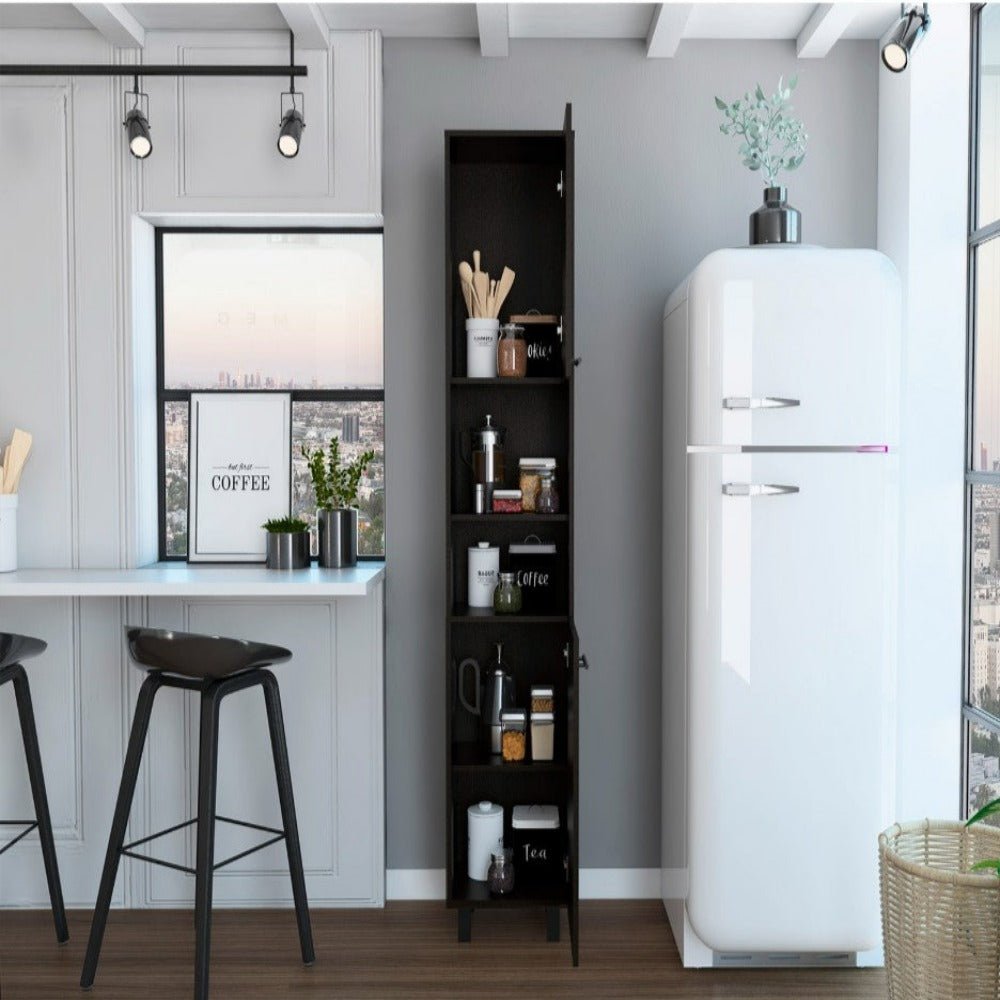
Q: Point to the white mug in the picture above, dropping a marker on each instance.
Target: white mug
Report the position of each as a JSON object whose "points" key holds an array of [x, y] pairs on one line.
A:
{"points": [[8, 532], [481, 336]]}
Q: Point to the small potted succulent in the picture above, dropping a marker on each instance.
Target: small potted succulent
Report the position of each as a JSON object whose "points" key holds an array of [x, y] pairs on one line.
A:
{"points": [[335, 484], [287, 543], [772, 141]]}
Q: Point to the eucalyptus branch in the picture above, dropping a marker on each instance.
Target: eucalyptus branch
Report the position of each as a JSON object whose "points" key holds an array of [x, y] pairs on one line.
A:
{"points": [[774, 140]]}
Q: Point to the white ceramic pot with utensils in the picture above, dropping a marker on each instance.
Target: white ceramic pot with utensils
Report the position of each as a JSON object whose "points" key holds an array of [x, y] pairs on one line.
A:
{"points": [[485, 820], [8, 532], [481, 336], [484, 574]]}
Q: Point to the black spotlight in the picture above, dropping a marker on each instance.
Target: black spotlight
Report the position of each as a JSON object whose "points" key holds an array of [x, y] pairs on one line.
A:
{"points": [[137, 124], [290, 134], [904, 38]]}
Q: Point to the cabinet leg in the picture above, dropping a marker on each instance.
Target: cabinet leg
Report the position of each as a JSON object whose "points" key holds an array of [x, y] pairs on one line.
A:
{"points": [[465, 924], [552, 923]]}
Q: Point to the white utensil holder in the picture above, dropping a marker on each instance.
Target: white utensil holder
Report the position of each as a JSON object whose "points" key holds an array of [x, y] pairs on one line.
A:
{"points": [[8, 532], [481, 336]]}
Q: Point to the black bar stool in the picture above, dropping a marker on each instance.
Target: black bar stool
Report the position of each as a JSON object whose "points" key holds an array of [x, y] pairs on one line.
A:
{"points": [[215, 667], [13, 650]]}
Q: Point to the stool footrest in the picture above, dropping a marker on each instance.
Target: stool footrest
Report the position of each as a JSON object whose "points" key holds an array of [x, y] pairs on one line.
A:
{"points": [[28, 824], [128, 852]]}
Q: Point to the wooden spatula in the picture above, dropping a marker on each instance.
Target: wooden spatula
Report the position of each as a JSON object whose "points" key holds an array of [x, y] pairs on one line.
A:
{"points": [[20, 448], [503, 289], [481, 283], [465, 276]]}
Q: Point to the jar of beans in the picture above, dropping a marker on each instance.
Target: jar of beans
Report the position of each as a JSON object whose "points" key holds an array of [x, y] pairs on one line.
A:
{"points": [[513, 735], [530, 474], [512, 352]]}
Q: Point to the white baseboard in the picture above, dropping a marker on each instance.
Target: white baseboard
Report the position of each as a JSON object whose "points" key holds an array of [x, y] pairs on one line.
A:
{"points": [[595, 883], [415, 883]]}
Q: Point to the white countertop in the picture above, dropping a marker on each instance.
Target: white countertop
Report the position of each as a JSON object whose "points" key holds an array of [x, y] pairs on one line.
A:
{"points": [[179, 579]]}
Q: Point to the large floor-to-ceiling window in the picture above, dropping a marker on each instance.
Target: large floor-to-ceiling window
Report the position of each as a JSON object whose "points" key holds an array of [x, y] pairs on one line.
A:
{"points": [[982, 695]]}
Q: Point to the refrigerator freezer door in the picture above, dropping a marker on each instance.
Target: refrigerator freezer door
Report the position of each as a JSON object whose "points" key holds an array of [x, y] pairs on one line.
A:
{"points": [[790, 697], [793, 346]]}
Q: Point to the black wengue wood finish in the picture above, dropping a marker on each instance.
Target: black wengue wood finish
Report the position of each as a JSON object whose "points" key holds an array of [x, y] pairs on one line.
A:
{"points": [[510, 195]]}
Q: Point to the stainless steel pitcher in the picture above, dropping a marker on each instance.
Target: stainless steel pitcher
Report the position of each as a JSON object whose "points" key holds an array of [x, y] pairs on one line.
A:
{"points": [[494, 696]]}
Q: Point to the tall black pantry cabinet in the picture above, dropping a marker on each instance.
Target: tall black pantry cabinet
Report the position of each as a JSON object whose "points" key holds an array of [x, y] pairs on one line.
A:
{"points": [[510, 195]]}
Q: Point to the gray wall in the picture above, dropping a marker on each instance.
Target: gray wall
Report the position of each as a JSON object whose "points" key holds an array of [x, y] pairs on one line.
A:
{"points": [[657, 187]]}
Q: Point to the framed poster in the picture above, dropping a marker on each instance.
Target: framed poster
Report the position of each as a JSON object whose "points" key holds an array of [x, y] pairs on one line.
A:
{"points": [[240, 472]]}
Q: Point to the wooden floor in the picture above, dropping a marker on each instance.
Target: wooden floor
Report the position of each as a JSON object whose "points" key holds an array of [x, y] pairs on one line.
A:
{"points": [[406, 950]]}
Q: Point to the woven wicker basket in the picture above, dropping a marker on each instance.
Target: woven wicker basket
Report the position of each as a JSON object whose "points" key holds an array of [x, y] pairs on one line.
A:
{"points": [[940, 923]]}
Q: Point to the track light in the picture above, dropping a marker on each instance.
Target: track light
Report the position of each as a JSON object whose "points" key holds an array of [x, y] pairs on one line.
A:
{"points": [[290, 134], [137, 123], [906, 34], [292, 121]]}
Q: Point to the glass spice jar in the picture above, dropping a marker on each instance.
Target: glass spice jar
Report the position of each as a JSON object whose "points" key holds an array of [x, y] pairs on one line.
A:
{"points": [[512, 352], [500, 877], [507, 597], [547, 501]]}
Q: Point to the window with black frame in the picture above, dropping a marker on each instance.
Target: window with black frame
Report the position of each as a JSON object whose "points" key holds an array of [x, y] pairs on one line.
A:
{"points": [[273, 311], [982, 696]]}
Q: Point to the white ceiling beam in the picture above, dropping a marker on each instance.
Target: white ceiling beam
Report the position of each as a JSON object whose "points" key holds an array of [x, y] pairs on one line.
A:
{"points": [[824, 29], [307, 23], [666, 29], [494, 29], [115, 23]]}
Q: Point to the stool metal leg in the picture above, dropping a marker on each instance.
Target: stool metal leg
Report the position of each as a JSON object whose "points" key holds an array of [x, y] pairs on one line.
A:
{"points": [[116, 839], [32, 754], [208, 761], [276, 726]]}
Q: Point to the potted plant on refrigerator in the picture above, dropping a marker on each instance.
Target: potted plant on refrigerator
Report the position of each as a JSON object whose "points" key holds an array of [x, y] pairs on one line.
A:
{"points": [[772, 141], [940, 888], [287, 543], [335, 484]]}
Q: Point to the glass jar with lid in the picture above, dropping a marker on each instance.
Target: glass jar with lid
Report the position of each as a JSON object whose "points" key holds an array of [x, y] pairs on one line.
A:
{"points": [[507, 598], [547, 501], [500, 877], [513, 735], [512, 352]]}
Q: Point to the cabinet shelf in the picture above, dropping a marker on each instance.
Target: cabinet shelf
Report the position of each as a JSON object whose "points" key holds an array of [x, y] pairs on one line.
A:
{"points": [[471, 757], [492, 518], [511, 383], [466, 892], [463, 614]]}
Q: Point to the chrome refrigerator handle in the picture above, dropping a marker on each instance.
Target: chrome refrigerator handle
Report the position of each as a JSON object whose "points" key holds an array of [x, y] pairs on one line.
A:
{"points": [[757, 489], [758, 402]]}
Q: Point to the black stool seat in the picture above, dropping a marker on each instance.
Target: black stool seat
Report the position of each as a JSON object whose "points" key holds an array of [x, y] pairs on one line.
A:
{"points": [[18, 648], [13, 649], [201, 656]]}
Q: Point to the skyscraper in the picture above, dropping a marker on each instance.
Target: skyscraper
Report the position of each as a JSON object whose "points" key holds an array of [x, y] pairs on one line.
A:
{"points": [[994, 516], [350, 428]]}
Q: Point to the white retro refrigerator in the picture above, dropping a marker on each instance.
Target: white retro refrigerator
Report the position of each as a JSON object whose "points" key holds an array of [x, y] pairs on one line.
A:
{"points": [[780, 580]]}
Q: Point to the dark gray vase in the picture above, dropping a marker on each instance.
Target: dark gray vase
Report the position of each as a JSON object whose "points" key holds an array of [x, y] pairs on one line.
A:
{"points": [[775, 221], [338, 537], [287, 549]]}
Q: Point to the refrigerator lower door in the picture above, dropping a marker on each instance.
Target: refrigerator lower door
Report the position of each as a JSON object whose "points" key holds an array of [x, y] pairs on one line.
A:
{"points": [[791, 675]]}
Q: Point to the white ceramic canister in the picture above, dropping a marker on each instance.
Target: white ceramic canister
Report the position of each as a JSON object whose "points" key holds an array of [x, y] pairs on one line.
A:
{"points": [[8, 532], [484, 574], [481, 336], [485, 837]]}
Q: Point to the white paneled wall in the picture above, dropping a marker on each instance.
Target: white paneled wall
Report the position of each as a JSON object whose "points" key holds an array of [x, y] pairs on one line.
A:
{"points": [[69, 193]]}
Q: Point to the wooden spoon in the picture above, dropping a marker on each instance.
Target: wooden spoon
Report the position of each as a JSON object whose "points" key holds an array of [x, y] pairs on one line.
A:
{"points": [[503, 289], [491, 301], [20, 448]]}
